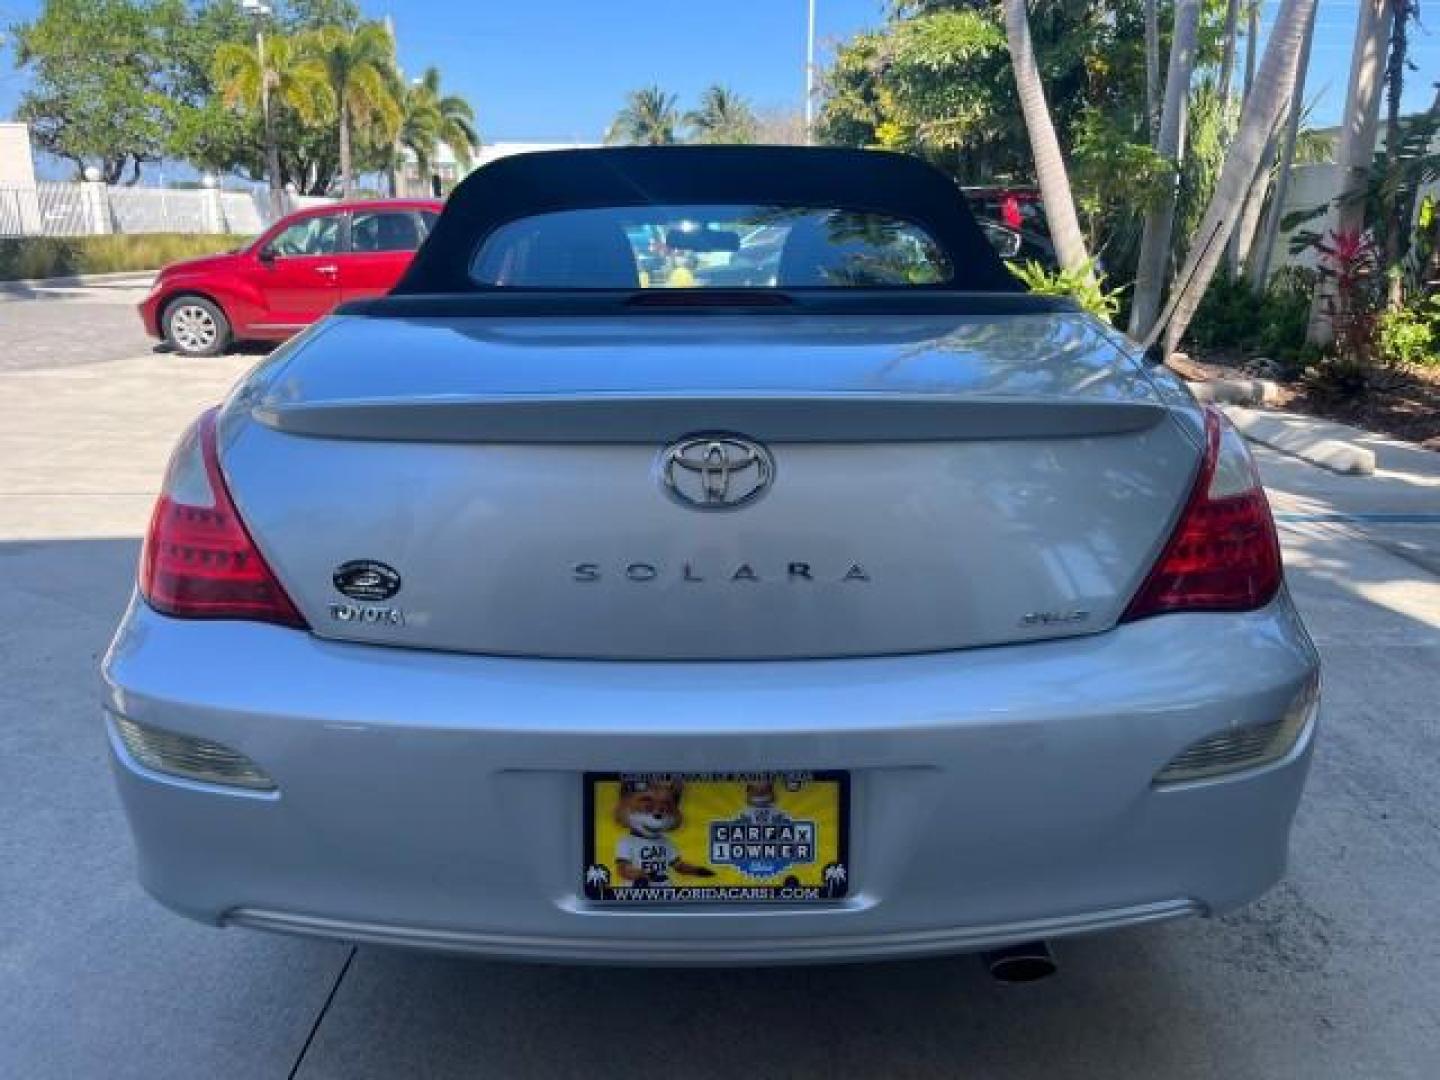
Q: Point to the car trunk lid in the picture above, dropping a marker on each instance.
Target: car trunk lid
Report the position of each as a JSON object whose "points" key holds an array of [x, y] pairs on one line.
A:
{"points": [[938, 482]]}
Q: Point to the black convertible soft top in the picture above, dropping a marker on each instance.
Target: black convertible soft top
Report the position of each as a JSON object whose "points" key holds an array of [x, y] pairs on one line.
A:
{"points": [[861, 180]]}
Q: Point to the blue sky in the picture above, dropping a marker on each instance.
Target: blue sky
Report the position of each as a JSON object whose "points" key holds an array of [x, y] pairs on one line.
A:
{"points": [[556, 70]]}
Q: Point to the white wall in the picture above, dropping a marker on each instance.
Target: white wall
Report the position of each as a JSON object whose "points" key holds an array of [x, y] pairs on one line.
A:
{"points": [[19, 206], [1310, 186]]}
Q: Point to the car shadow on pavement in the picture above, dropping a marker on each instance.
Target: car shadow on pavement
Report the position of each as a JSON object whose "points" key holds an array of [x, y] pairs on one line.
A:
{"points": [[1111, 1012], [97, 979], [20, 290]]}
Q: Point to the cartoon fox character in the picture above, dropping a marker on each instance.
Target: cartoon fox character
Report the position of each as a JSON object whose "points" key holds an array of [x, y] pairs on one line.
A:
{"points": [[759, 801], [646, 854]]}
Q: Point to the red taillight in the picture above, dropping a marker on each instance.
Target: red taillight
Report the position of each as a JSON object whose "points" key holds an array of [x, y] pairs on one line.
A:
{"points": [[1224, 554], [199, 561]]}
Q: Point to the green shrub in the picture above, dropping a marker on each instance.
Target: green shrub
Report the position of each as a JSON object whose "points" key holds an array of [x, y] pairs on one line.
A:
{"points": [[1410, 335], [62, 256], [1232, 316], [1228, 316], [1285, 318], [1084, 286]]}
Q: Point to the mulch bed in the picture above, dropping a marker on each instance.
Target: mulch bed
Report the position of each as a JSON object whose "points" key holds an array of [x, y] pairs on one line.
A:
{"points": [[1402, 402]]}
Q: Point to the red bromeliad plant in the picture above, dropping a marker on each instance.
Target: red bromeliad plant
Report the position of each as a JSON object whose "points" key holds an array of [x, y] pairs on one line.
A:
{"points": [[1349, 263], [1348, 271]]}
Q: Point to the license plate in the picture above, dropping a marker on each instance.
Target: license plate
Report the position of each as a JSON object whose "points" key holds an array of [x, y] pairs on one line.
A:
{"points": [[716, 838]]}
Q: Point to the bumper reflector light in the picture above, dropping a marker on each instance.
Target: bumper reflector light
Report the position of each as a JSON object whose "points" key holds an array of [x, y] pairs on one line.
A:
{"points": [[1245, 747], [189, 757]]}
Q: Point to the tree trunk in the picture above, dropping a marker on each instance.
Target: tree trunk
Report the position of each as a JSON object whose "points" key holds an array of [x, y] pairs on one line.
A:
{"points": [[1233, 257], [272, 165], [1260, 260], [1357, 137], [347, 181], [272, 144], [1228, 42], [1242, 240], [1155, 242], [1049, 164], [1395, 205], [1274, 81], [1152, 69], [1252, 44], [1361, 123]]}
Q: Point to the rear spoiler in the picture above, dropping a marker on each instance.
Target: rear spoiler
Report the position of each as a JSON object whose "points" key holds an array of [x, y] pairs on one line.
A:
{"points": [[650, 418], [588, 303]]}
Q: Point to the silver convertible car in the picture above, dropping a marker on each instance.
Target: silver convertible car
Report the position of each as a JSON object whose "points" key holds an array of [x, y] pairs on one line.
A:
{"points": [[710, 555]]}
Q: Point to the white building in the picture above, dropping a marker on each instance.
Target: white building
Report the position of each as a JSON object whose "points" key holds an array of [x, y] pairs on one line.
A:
{"points": [[445, 170]]}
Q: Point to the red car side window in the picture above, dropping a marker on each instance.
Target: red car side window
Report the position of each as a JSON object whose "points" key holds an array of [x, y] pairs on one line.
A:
{"points": [[373, 231], [318, 235]]}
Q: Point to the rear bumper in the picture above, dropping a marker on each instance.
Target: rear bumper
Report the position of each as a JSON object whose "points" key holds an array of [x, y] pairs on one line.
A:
{"points": [[885, 945], [434, 800], [149, 310]]}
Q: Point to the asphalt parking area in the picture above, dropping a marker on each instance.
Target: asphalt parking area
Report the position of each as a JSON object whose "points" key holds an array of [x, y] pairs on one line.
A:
{"points": [[1335, 974], [44, 326]]}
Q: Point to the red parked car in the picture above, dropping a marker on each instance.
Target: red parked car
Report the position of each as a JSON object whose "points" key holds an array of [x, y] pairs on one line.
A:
{"points": [[298, 270]]}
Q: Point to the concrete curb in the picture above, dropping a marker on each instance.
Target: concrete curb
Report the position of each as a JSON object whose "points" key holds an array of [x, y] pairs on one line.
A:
{"points": [[1236, 391], [1320, 442], [77, 280]]}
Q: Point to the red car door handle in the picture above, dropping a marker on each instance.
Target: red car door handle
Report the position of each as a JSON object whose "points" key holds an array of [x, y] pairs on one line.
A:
{"points": [[329, 269]]}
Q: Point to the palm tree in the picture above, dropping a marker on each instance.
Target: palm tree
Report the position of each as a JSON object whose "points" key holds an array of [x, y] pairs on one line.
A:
{"points": [[429, 118], [359, 66], [649, 118], [419, 132], [1155, 246], [1049, 165], [723, 117], [456, 119], [1270, 93], [287, 79]]}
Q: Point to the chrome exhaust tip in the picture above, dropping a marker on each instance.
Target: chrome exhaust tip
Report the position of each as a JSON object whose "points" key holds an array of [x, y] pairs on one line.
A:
{"points": [[1027, 962]]}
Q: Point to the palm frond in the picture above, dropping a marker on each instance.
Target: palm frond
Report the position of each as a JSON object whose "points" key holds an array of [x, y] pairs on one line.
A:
{"points": [[650, 118], [723, 117]]}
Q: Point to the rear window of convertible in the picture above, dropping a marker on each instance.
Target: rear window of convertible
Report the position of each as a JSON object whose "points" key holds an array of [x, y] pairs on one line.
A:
{"points": [[697, 247]]}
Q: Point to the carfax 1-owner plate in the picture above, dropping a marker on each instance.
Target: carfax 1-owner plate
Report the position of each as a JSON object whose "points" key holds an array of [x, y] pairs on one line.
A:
{"points": [[716, 838]]}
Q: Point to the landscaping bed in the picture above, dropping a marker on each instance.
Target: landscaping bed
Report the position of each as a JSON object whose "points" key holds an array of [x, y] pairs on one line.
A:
{"points": [[1401, 401], [63, 256]]}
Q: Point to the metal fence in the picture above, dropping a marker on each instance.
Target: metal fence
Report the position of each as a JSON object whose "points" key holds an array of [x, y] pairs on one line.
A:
{"points": [[44, 210], [89, 209], [151, 210], [244, 213]]}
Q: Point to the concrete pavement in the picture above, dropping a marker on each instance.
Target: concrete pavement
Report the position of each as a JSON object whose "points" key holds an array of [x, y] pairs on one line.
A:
{"points": [[1335, 974]]}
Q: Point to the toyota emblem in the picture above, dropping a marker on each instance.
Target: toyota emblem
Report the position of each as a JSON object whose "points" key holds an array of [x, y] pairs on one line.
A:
{"points": [[716, 472]]}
